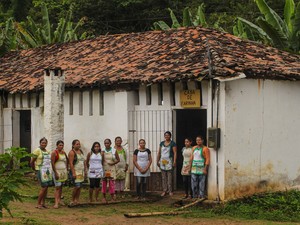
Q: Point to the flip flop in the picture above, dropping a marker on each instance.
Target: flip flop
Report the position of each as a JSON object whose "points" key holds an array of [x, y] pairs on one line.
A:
{"points": [[39, 207], [45, 207]]}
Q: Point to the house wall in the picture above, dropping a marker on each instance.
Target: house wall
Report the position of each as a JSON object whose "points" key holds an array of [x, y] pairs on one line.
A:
{"points": [[91, 126], [262, 139]]}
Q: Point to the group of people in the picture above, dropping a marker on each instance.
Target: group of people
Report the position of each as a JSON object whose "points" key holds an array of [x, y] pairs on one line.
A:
{"points": [[110, 164], [194, 170]]}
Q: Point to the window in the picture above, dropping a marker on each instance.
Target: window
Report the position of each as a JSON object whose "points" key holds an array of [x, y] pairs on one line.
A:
{"points": [[91, 103], [172, 94], [80, 103], [160, 94], [184, 85], [101, 103], [136, 97], [71, 103], [148, 95]]}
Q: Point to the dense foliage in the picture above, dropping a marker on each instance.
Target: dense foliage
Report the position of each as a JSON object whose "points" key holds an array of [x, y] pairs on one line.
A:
{"points": [[12, 171]]}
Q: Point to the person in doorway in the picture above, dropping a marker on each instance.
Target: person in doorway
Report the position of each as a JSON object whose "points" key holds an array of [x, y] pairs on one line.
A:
{"points": [[121, 167], [77, 169], [166, 161], [142, 161], [200, 159], [41, 163], [59, 162], [95, 169], [186, 167], [110, 159]]}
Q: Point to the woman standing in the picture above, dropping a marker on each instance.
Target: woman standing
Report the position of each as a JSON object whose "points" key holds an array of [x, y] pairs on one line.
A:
{"points": [[77, 168], [199, 163], [166, 161], [121, 167], [59, 162], [41, 162], [186, 167], [142, 161], [95, 169], [110, 159]]}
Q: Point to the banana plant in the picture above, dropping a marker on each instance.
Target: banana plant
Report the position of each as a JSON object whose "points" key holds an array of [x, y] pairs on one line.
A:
{"points": [[188, 19], [8, 37], [35, 35], [271, 29]]}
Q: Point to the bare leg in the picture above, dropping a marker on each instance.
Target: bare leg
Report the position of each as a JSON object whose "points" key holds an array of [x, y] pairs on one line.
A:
{"points": [[57, 197], [97, 194], [41, 197], [91, 194], [78, 195]]}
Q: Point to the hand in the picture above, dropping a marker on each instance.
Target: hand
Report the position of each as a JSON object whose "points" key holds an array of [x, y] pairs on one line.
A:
{"points": [[56, 176], [126, 167], [205, 171], [143, 171], [174, 164], [74, 175], [158, 164]]}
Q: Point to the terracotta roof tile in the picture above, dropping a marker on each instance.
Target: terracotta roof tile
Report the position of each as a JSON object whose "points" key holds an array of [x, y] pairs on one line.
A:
{"points": [[153, 56]]}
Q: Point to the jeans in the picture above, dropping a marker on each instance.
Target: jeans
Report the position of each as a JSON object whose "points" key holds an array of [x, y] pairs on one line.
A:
{"points": [[141, 183], [198, 185]]}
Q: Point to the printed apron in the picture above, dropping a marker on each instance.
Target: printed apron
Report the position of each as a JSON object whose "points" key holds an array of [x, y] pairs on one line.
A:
{"points": [[185, 171], [198, 162], [120, 166], [95, 170], [109, 171], [45, 168], [79, 168], [61, 168], [166, 162], [142, 161]]}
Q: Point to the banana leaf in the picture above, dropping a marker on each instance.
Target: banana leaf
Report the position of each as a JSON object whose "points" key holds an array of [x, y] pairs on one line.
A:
{"points": [[187, 18], [279, 39], [175, 23], [289, 9], [46, 25], [270, 15], [161, 25]]}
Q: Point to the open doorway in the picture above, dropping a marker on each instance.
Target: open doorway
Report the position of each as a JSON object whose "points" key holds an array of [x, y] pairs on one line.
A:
{"points": [[189, 123], [25, 131]]}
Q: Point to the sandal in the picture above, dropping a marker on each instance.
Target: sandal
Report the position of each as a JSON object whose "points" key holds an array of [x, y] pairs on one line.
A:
{"points": [[45, 207], [163, 194], [39, 207]]}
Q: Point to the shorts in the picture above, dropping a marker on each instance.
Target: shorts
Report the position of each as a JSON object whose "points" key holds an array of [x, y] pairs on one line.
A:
{"points": [[95, 182], [43, 184], [72, 180], [57, 183]]}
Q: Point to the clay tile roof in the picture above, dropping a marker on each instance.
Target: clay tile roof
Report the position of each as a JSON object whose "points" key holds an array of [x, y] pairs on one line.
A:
{"points": [[153, 56]]}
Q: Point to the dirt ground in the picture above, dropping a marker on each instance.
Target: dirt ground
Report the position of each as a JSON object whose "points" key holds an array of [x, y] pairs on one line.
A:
{"points": [[26, 213]]}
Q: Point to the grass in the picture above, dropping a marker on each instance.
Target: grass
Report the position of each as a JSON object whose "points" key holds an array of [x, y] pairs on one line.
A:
{"points": [[268, 208], [277, 206]]}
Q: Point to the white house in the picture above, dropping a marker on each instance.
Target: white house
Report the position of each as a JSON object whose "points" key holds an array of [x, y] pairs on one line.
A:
{"points": [[140, 85]]}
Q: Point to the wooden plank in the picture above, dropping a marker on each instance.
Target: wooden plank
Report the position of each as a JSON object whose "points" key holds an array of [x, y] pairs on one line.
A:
{"points": [[172, 213], [85, 204]]}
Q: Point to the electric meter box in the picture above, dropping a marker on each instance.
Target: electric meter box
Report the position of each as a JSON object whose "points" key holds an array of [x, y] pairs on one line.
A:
{"points": [[213, 140]]}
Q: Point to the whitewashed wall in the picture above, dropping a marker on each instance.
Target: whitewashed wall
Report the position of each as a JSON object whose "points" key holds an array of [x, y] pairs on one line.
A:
{"points": [[90, 128], [262, 136]]}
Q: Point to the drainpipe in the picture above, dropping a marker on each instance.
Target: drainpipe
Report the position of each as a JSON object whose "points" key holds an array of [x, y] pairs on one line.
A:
{"points": [[54, 89]]}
